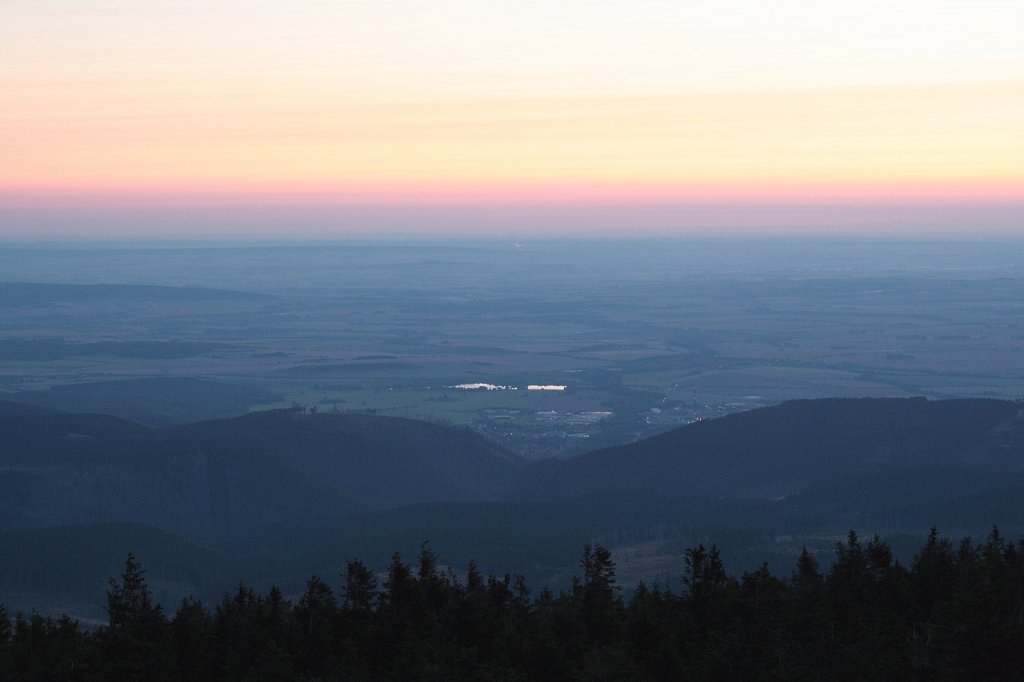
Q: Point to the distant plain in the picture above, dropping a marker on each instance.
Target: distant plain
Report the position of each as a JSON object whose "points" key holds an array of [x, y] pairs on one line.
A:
{"points": [[656, 333]]}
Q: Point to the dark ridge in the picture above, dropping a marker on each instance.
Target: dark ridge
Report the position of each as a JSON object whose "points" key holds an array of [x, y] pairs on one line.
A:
{"points": [[46, 435], [380, 461], [155, 401], [224, 478], [777, 450]]}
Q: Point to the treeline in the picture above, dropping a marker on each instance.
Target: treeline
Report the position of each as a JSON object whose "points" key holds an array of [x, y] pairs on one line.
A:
{"points": [[956, 613]]}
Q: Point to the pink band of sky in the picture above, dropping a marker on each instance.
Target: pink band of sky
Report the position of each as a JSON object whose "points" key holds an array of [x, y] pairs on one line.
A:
{"points": [[395, 116]]}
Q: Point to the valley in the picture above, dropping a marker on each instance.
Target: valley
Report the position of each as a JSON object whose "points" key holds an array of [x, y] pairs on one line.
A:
{"points": [[269, 497], [277, 410]]}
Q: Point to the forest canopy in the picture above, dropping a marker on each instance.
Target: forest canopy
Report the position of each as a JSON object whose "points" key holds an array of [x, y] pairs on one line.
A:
{"points": [[956, 612]]}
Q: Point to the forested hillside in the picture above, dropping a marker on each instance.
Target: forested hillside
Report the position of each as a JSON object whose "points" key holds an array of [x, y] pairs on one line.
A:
{"points": [[272, 496], [221, 479], [778, 450]]}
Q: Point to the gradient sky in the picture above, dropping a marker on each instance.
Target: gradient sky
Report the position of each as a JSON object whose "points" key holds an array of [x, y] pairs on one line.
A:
{"points": [[334, 117]]}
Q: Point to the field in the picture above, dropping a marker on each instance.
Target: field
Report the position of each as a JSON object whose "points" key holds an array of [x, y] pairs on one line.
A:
{"points": [[644, 336]]}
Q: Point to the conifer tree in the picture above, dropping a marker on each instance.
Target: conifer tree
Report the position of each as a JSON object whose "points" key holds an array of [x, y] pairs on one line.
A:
{"points": [[315, 614], [399, 595], [5, 625], [191, 639], [316, 607], [134, 649], [933, 573], [360, 591], [474, 579], [704, 576], [6, 630], [129, 600], [806, 576], [427, 562]]}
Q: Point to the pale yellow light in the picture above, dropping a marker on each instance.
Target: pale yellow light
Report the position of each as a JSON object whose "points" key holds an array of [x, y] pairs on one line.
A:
{"points": [[953, 132]]}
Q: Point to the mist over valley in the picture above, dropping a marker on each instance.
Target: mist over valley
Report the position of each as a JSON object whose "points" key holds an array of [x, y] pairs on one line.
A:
{"points": [[284, 408]]}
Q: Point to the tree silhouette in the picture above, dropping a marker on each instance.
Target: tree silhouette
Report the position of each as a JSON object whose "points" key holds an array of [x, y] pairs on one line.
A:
{"points": [[360, 591], [954, 615], [133, 637], [129, 600]]}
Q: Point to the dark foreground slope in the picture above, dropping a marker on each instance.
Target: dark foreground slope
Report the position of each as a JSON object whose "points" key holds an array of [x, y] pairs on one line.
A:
{"points": [[780, 450], [220, 479], [271, 497], [915, 467]]}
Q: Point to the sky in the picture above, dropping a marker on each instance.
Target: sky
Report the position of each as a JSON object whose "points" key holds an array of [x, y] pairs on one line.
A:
{"points": [[332, 117]]}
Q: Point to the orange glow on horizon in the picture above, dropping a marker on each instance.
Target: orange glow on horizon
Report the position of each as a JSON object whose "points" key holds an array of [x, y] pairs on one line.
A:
{"points": [[178, 103], [533, 193], [651, 146]]}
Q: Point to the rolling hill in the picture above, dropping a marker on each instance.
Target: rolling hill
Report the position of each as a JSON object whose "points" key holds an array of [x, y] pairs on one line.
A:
{"points": [[224, 478], [269, 497], [775, 451]]}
